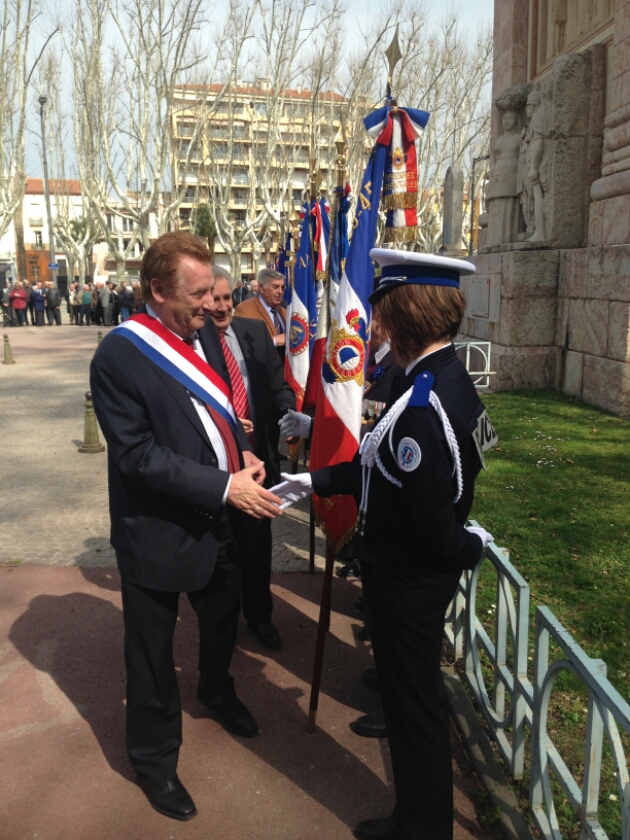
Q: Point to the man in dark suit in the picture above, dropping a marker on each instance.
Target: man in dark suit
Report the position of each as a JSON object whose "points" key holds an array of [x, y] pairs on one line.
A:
{"points": [[259, 390], [266, 307], [175, 465]]}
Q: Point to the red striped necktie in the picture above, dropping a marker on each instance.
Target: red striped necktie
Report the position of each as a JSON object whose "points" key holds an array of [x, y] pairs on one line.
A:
{"points": [[223, 427], [239, 391]]}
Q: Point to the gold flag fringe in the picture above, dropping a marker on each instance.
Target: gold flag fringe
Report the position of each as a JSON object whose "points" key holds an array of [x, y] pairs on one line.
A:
{"points": [[342, 541], [401, 234], [320, 275], [400, 201], [295, 449]]}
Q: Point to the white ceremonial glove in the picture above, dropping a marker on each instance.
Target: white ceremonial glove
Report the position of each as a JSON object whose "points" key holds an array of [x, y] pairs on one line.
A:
{"points": [[295, 424], [486, 536], [293, 489]]}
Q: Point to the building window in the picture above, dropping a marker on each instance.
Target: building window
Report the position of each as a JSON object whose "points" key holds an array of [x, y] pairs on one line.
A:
{"points": [[127, 224], [38, 239]]}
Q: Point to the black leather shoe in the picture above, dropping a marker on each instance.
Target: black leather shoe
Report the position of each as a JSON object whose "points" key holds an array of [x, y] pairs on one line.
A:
{"points": [[370, 726], [385, 828], [370, 678], [364, 634], [170, 798], [233, 715], [267, 634]]}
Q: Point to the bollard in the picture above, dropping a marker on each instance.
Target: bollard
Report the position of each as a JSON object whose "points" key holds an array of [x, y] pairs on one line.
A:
{"points": [[8, 355], [91, 443], [99, 337]]}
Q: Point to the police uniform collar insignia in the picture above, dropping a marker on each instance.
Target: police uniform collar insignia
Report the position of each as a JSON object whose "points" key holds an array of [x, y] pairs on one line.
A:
{"points": [[403, 268]]}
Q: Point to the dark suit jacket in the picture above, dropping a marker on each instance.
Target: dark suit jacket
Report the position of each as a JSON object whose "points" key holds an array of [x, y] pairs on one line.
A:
{"points": [[165, 488], [271, 396]]}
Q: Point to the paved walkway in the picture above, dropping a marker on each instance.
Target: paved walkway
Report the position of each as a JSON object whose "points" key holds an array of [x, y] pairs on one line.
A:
{"points": [[65, 774]]}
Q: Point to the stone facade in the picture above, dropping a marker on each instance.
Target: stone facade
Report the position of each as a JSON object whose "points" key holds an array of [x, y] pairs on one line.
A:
{"points": [[557, 307]]}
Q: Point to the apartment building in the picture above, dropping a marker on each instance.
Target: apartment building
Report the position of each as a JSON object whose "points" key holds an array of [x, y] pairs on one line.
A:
{"points": [[233, 161]]}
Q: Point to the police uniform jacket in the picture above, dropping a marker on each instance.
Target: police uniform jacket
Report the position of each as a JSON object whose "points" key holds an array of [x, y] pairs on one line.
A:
{"points": [[420, 519]]}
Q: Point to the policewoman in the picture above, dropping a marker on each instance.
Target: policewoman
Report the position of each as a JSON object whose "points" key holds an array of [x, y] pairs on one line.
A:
{"points": [[414, 478]]}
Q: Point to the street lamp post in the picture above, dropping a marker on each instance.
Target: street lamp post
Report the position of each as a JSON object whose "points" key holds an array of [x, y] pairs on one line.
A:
{"points": [[51, 236]]}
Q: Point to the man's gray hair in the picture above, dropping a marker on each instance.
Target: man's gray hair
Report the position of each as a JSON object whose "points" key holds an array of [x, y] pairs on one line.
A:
{"points": [[267, 274], [222, 273]]}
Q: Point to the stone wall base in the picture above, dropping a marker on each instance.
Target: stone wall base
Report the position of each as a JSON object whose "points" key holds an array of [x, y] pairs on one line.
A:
{"points": [[557, 319]]}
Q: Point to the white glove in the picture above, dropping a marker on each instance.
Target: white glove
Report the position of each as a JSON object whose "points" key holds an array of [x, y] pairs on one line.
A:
{"points": [[295, 424], [485, 536], [293, 489]]}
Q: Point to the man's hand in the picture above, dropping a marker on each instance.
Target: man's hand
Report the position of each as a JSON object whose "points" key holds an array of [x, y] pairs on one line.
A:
{"points": [[247, 425], [250, 460], [280, 340], [248, 496]]}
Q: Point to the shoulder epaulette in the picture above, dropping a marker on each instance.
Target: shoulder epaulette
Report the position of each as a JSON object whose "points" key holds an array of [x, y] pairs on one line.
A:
{"points": [[421, 390]]}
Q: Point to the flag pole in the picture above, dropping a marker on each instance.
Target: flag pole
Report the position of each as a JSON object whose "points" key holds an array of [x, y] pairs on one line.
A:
{"points": [[393, 55], [322, 628], [325, 606]]}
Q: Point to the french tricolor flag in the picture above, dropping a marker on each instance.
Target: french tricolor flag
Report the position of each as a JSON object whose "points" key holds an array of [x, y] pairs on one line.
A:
{"points": [[301, 319], [337, 425], [399, 128]]}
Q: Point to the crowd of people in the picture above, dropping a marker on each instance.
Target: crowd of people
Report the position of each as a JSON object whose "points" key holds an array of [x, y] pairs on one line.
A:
{"points": [[93, 303], [191, 399]]}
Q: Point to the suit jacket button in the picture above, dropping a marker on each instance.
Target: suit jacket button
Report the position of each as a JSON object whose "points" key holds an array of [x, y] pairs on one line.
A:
{"points": [[213, 462]]}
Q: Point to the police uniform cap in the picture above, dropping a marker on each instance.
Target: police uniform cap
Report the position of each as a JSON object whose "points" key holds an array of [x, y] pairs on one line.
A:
{"points": [[402, 268]]}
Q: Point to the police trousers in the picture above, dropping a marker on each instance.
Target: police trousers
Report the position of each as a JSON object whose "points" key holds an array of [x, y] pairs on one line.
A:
{"points": [[408, 609]]}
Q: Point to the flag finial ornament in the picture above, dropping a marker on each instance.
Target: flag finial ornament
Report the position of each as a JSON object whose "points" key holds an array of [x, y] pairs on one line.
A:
{"points": [[393, 56]]}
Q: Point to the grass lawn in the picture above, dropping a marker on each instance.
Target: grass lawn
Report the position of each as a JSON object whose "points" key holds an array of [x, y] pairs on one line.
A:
{"points": [[557, 496]]}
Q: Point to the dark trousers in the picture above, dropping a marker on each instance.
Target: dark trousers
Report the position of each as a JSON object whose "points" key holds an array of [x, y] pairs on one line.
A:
{"points": [[255, 545], [407, 624], [154, 719], [39, 318], [31, 311], [84, 312], [53, 314]]}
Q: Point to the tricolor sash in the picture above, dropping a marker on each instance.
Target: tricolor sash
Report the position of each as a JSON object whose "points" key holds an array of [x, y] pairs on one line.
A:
{"points": [[179, 360]]}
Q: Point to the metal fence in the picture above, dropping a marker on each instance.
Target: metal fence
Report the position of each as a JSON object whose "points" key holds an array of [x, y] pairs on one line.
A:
{"points": [[512, 704], [475, 355]]}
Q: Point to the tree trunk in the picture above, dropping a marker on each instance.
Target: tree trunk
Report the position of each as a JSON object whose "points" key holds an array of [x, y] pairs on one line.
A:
{"points": [[235, 266], [211, 240], [120, 270], [20, 253]]}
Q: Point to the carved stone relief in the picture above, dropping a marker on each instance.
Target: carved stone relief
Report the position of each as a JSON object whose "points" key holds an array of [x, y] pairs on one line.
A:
{"points": [[564, 24]]}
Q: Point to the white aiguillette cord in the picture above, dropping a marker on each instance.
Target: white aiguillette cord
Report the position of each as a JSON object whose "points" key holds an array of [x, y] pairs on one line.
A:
{"points": [[372, 441]]}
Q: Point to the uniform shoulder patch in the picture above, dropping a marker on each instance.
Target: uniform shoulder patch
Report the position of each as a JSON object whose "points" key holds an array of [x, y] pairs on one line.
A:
{"points": [[421, 390], [485, 436], [408, 455]]}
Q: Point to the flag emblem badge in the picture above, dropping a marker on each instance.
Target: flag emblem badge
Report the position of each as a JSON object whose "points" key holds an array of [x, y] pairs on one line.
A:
{"points": [[346, 356], [298, 334]]}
